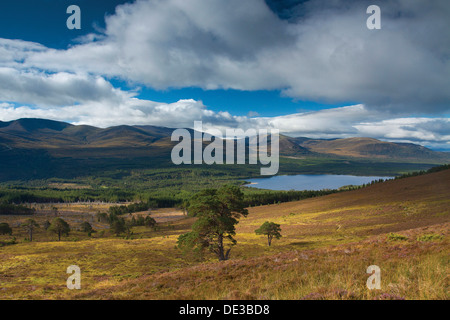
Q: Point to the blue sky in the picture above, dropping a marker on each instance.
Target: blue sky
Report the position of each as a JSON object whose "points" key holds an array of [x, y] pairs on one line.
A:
{"points": [[44, 21], [267, 103], [310, 67]]}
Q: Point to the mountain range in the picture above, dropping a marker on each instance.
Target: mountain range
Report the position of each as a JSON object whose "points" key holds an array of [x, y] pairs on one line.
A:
{"points": [[30, 146]]}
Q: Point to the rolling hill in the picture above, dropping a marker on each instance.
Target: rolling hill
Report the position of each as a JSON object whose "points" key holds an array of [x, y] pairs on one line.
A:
{"points": [[48, 134], [39, 149], [371, 148]]}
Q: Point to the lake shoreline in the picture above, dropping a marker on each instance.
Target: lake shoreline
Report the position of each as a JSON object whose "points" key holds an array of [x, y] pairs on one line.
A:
{"points": [[304, 182]]}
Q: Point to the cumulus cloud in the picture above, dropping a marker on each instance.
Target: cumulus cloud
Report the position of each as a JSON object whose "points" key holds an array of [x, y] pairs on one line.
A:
{"points": [[14, 52], [323, 51], [130, 111], [58, 89], [411, 129], [313, 50]]}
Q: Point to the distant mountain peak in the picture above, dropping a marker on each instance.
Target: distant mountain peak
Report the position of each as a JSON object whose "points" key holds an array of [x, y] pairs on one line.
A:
{"points": [[33, 124]]}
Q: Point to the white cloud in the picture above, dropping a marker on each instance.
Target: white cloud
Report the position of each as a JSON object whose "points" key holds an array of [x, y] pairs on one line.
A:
{"points": [[58, 89], [130, 111], [323, 53], [14, 52], [327, 54], [411, 129]]}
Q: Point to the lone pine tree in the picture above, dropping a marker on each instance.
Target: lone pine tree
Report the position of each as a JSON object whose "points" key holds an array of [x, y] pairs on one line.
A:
{"points": [[271, 230], [217, 212]]}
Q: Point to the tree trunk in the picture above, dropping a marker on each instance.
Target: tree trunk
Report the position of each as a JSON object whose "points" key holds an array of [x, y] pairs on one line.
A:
{"points": [[227, 254], [31, 235], [220, 253], [269, 240], [59, 235]]}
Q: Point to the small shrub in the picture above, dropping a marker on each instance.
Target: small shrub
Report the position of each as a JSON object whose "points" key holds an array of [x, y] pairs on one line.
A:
{"points": [[396, 237], [86, 227], [430, 237], [8, 242], [5, 228]]}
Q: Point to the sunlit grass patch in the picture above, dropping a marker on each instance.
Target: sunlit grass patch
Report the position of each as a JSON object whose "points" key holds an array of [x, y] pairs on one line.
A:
{"points": [[430, 237], [396, 237]]}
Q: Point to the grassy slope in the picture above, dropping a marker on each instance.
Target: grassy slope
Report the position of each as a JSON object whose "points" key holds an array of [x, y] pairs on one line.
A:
{"points": [[327, 245]]}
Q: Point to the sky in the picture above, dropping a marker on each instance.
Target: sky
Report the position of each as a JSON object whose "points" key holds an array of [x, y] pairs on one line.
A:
{"points": [[309, 68]]}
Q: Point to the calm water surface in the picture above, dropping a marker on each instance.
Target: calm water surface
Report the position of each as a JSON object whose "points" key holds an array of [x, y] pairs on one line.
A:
{"points": [[310, 182]]}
